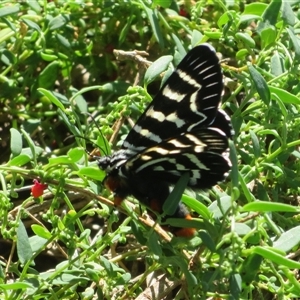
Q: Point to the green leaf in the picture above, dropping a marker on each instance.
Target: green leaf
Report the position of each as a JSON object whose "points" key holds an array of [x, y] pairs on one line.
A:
{"points": [[8, 58], [75, 131], [37, 243], [234, 170], [224, 19], [63, 159], [235, 286], [19, 160], [115, 87], [9, 10], [172, 201], [288, 240], [16, 286], [191, 280], [268, 37], [65, 42], [31, 24], [270, 15], [255, 8], [271, 254], [23, 245], [284, 96], [241, 229], [214, 35], [41, 231], [184, 223], [207, 240], [197, 206], [92, 274], [246, 39], [218, 212], [153, 19], [248, 18], [179, 47], [162, 3], [57, 22], [250, 267], [33, 150], [196, 37], [66, 278], [93, 173], [48, 57], [138, 233], [242, 53], [103, 145], [16, 142], [263, 206], [107, 266], [288, 16], [81, 104], [35, 6], [76, 154], [157, 68], [154, 244], [270, 131], [125, 278], [256, 146], [126, 29], [48, 76], [277, 65], [260, 85], [52, 98], [295, 41]]}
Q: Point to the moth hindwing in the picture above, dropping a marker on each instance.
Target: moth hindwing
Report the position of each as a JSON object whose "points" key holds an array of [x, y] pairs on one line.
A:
{"points": [[182, 131]]}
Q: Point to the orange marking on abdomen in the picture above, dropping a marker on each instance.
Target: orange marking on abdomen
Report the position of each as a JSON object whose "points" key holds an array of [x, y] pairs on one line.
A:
{"points": [[186, 232], [113, 183]]}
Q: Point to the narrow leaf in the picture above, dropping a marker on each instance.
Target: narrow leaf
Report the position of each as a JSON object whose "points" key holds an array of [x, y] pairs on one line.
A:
{"points": [[262, 206], [16, 143], [288, 240], [269, 254], [19, 160], [260, 85], [171, 204], [57, 22], [52, 98], [41, 231], [270, 15], [295, 41], [284, 96], [23, 245], [9, 10], [152, 16], [157, 68]]}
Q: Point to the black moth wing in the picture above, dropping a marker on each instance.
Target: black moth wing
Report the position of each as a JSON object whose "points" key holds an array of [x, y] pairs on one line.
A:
{"points": [[188, 100], [202, 153]]}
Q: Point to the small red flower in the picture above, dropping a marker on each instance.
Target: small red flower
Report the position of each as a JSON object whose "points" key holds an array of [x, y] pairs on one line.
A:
{"points": [[38, 188]]}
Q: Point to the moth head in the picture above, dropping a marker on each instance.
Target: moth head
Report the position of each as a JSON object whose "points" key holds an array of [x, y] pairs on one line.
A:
{"points": [[114, 161]]}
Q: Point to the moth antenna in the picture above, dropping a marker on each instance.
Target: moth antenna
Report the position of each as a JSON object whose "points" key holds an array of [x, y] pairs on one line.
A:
{"points": [[101, 133], [89, 141]]}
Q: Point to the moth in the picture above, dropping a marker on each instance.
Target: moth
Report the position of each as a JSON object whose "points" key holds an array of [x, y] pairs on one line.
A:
{"points": [[181, 131]]}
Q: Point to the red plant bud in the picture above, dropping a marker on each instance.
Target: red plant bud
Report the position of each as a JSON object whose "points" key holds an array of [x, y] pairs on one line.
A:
{"points": [[38, 188]]}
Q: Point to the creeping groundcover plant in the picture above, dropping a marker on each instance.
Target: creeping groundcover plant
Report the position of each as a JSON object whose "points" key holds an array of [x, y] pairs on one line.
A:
{"points": [[78, 221]]}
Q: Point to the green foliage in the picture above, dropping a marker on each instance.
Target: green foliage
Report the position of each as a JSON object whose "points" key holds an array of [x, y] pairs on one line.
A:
{"points": [[60, 81]]}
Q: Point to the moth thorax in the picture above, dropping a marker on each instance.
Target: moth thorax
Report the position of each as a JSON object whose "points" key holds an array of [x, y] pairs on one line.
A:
{"points": [[114, 161], [104, 162]]}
